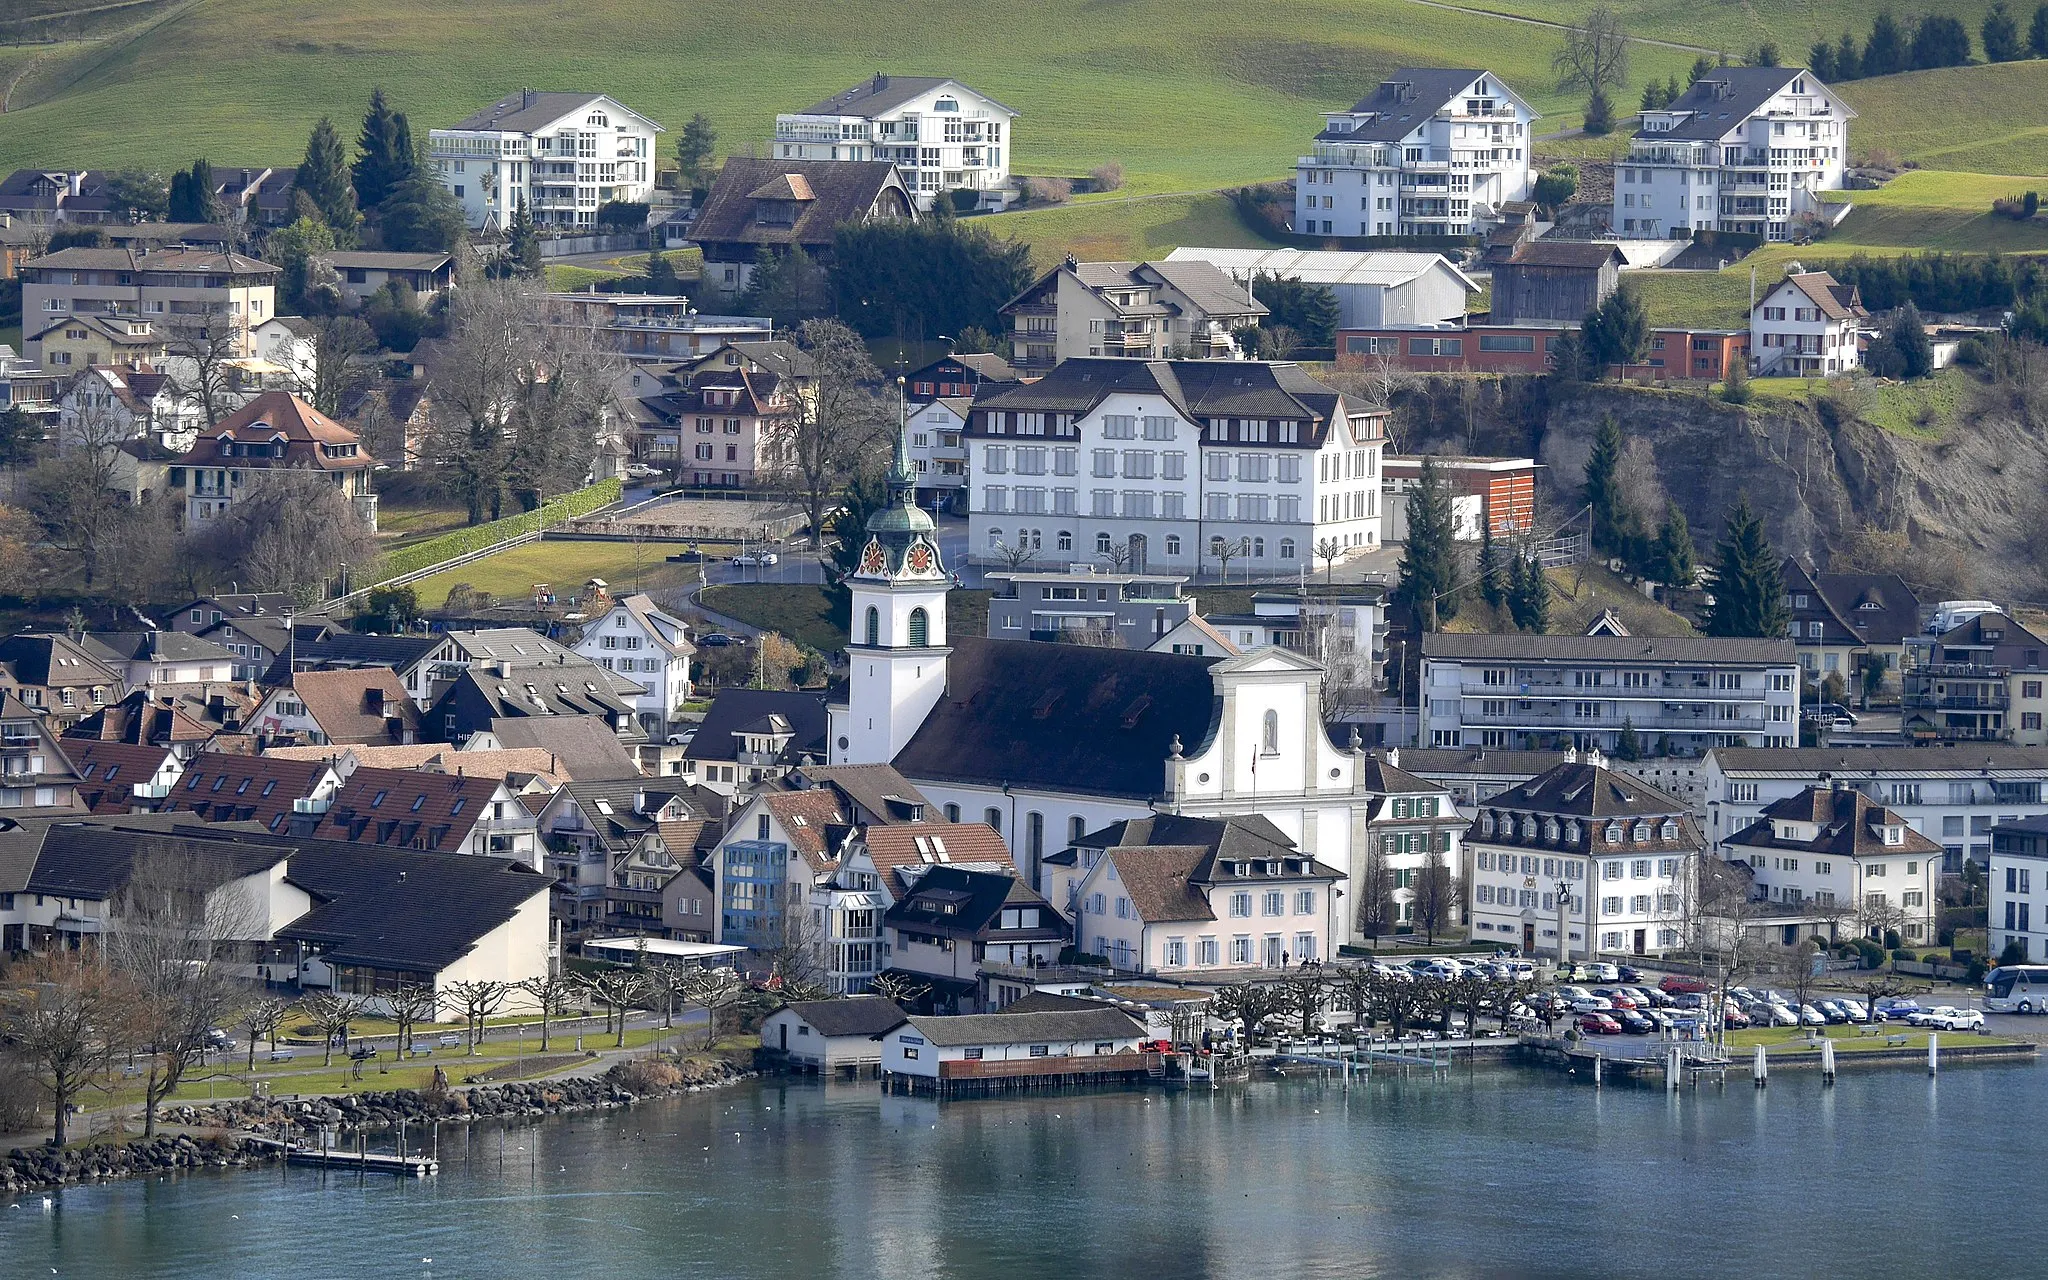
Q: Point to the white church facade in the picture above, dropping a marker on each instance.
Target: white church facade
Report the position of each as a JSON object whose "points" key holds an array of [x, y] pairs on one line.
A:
{"points": [[1046, 742]]}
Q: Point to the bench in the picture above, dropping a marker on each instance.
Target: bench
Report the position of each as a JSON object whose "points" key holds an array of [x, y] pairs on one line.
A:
{"points": [[364, 1054], [451, 1041], [1897, 1041]]}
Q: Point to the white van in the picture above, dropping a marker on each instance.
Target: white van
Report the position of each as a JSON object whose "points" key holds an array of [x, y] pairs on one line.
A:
{"points": [[1950, 614]]}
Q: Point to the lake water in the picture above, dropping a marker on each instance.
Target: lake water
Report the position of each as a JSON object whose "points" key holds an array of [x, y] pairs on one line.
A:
{"points": [[1498, 1172]]}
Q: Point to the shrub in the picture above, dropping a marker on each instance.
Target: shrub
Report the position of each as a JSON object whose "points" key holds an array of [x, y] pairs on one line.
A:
{"points": [[1976, 973], [1048, 190], [1873, 955], [1973, 353], [1891, 936], [1903, 954], [965, 199], [1736, 389], [1108, 175], [2015, 953], [649, 1075], [622, 215]]}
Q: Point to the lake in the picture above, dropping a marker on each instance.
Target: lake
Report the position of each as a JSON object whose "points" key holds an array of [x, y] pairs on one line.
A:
{"points": [[1496, 1172]]}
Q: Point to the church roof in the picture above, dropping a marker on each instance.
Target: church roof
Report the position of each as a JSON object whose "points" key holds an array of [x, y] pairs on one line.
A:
{"points": [[1056, 717]]}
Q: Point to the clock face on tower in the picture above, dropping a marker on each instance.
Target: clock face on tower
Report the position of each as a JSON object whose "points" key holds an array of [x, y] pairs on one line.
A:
{"points": [[920, 557], [871, 561]]}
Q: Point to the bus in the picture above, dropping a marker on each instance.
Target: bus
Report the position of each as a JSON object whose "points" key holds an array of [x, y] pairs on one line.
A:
{"points": [[2017, 988]]}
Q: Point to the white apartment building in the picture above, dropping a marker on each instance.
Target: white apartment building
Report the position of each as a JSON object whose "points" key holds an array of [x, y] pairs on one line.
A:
{"points": [[1954, 795], [1582, 849], [1808, 325], [938, 454], [1680, 694], [562, 155], [1151, 310], [1746, 149], [1432, 151], [2019, 889], [1833, 853], [941, 135], [644, 644], [1163, 462]]}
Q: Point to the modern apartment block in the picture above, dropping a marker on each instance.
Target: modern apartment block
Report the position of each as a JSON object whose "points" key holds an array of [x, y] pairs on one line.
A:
{"points": [[1954, 795], [562, 155], [1978, 682], [1430, 152], [941, 135], [1155, 465], [1680, 695], [177, 290], [2019, 890], [649, 326], [1746, 149], [1152, 310], [1137, 610]]}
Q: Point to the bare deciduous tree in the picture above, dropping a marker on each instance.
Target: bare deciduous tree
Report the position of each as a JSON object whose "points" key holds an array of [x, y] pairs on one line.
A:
{"points": [[831, 428], [475, 1000], [199, 354], [171, 937], [1329, 551], [65, 1021], [1595, 53], [332, 1013], [902, 988], [1224, 550], [618, 990], [712, 990], [263, 1020], [1437, 892], [551, 992], [1375, 890], [290, 531], [474, 389], [411, 1004]]}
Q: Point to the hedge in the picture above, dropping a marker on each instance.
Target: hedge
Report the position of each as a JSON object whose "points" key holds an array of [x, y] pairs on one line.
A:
{"points": [[481, 537]]}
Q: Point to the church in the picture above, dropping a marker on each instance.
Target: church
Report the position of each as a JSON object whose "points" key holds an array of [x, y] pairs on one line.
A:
{"points": [[1047, 742]]}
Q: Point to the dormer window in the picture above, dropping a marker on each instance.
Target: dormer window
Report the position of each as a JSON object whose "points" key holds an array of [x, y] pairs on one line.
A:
{"points": [[1612, 835], [1486, 823], [1894, 835], [1571, 831], [1550, 829], [1642, 833]]}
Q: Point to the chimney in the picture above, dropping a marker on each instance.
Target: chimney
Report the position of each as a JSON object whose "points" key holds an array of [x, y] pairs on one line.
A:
{"points": [[527, 98], [881, 82]]}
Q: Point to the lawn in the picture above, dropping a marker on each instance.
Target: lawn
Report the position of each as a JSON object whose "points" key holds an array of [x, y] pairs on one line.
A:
{"points": [[1734, 27], [564, 564], [1184, 97], [1782, 1041], [1128, 230], [1983, 119], [403, 523]]}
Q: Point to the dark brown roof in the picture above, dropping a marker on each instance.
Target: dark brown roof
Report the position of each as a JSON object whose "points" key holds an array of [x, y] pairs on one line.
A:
{"points": [[842, 191], [1157, 880], [1836, 301], [108, 772], [312, 439], [912, 844], [365, 705], [404, 809], [1850, 824], [230, 788], [1587, 254], [854, 1016], [806, 818], [1595, 797]]}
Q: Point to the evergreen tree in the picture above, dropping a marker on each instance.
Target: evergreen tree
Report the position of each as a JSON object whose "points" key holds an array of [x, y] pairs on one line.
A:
{"points": [[421, 216], [292, 248], [2001, 32], [1764, 55], [1735, 388], [1493, 576], [1602, 490], [1308, 309], [1626, 745], [2037, 33], [1675, 562], [1429, 566], [1567, 358], [1617, 332], [1885, 52], [1901, 348], [1940, 40], [1749, 586], [789, 288], [1529, 596], [931, 276], [1848, 61], [661, 274], [324, 178], [193, 197], [1653, 96], [695, 146], [522, 245], [1599, 115], [383, 157], [1556, 185], [138, 194], [1701, 66], [1820, 59]]}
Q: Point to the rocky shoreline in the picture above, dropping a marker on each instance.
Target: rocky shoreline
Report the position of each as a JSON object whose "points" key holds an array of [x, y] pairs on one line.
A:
{"points": [[40, 1168]]}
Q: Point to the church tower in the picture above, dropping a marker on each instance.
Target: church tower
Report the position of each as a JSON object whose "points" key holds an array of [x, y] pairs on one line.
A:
{"points": [[897, 651]]}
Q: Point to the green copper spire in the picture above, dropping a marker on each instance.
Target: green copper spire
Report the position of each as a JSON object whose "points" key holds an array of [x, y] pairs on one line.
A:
{"points": [[903, 515]]}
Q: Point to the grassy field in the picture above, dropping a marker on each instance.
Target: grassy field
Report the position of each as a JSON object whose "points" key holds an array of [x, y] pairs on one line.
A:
{"points": [[1780, 1041], [1576, 598], [1984, 119], [1183, 97], [1133, 230], [564, 564], [1734, 25]]}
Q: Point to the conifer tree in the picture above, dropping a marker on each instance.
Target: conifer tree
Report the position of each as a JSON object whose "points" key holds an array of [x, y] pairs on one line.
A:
{"points": [[522, 246], [1749, 585], [385, 152], [695, 146], [1529, 598], [1429, 567], [1611, 518], [1675, 561], [1627, 746], [324, 178], [1493, 575]]}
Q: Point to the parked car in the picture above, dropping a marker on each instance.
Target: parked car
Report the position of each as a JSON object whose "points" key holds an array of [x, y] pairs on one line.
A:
{"points": [[1895, 1009], [1855, 1009], [1605, 972], [1631, 974], [641, 471], [682, 739], [1634, 1023], [715, 640], [1946, 1017], [1592, 1004], [1690, 1000], [1811, 1017], [1620, 998], [1781, 1015], [1681, 984], [1734, 1019], [1832, 1011], [754, 557], [1598, 1024]]}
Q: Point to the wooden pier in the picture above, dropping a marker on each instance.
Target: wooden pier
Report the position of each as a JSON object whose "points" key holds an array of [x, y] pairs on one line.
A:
{"points": [[360, 1159]]}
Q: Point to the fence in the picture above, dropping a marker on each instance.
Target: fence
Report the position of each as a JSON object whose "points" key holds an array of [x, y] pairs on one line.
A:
{"points": [[564, 246]]}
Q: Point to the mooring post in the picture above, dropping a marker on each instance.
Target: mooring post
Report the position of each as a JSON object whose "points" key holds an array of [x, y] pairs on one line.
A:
{"points": [[1760, 1071], [1933, 1053]]}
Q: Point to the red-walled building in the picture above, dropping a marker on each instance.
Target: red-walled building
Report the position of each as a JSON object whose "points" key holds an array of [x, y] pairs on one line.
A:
{"points": [[1702, 354], [1499, 491]]}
